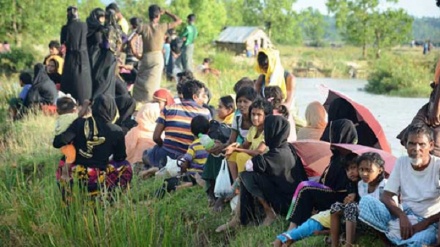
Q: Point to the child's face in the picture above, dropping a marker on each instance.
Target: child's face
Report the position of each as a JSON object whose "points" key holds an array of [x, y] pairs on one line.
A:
{"points": [[243, 105], [222, 111], [352, 172], [369, 172], [257, 117], [54, 51], [51, 68]]}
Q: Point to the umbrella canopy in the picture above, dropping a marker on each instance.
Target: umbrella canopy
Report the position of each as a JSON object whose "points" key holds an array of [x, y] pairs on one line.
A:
{"points": [[359, 149], [315, 156], [363, 114]]}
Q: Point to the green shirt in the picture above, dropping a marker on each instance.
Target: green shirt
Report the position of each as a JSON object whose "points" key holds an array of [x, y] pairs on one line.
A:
{"points": [[190, 33]]}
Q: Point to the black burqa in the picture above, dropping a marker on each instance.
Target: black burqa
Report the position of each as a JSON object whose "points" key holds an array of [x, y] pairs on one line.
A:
{"points": [[275, 175], [311, 197], [94, 35], [96, 138], [342, 109], [126, 105], [43, 90], [76, 78], [104, 71]]}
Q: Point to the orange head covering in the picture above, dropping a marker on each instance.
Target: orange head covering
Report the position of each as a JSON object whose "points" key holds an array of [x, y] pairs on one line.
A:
{"points": [[164, 96]]}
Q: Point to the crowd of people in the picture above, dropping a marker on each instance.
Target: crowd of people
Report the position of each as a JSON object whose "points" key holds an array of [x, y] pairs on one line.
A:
{"points": [[109, 131]]}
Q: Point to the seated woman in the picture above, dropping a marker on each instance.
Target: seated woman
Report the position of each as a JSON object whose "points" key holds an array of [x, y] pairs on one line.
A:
{"points": [[96, 139], [140, 137], [42, 92], [316, 122], [270, 178], [332, 185], [341, 109], [52, 69]]}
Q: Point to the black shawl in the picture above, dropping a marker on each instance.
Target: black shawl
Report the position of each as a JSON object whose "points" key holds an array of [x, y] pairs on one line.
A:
{"points": [[43, 90], [281, 160]]}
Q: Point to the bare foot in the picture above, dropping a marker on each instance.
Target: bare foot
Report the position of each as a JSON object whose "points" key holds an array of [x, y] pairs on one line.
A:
{"points": [[270, 218], [231, 224], [277, 243], [292, 226], [218, 205]]}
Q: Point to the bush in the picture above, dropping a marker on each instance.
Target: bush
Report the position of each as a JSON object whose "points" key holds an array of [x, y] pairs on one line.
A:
{"points": [[16, 60], [399, 75]]}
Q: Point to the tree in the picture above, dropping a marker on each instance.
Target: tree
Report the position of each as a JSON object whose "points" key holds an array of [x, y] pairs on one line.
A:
{"points": [[361, 22], [85, 7], [313, 25]]}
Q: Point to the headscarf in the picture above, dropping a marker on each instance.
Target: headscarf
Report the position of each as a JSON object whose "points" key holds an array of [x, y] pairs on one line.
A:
{"points": [[343, 131], [43, 90], [315, 115], [40, 75], [274, 76], [104, 108], [164, 96], [341, 109], [280, 161], [72, 14], [93, 23]]}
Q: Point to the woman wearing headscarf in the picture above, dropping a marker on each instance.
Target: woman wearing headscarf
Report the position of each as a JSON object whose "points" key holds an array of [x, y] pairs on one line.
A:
{"points": [[43, 91], [316, 122], [96, 139], [342, 109], [95, 25], [76, 78], [104, 71], [332, 186], [270, 178]]}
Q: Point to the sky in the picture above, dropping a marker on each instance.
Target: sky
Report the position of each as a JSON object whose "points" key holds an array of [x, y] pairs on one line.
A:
{"points": [[417, 8]]}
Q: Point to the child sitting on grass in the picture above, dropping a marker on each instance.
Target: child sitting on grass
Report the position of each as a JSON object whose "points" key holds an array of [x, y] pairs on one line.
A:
{"points": [[191, 163], [318, 223], [15, 104], [67, 113], [372, 172]]}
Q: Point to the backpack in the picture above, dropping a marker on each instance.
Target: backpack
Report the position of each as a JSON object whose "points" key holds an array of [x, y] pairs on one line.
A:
{"points": [[219, 131]]}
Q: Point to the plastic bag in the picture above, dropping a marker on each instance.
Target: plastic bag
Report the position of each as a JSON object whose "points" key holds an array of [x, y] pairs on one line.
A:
{"points": [[223, 187], [171, 169]]}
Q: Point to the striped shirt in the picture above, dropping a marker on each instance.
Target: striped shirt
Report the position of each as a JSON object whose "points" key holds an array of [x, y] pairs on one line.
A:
{"points": [[177, 121], [196, 155]]}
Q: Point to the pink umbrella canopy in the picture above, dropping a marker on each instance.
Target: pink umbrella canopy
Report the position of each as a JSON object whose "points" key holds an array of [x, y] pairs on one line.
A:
{"points": [[315, 155], [359, 150], [363, 114]]}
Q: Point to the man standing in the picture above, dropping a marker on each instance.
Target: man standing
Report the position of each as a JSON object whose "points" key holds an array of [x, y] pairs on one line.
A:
{"points": [[188, 36], [175, 121], [415, 179], [151, 62], [122, 22]]}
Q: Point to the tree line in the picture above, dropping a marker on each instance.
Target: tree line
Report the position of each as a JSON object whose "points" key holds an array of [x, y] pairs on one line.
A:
{"points": [[357, 22]]}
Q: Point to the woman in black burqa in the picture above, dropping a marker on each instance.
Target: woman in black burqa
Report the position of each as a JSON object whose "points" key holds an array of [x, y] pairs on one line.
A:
{"points": [[95, 26], [43, 90], [104, 69], [271, 178], [76, 78]]}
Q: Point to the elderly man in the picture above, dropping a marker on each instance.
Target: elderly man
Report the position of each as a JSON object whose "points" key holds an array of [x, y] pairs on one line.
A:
{"points": [[415, 179]]}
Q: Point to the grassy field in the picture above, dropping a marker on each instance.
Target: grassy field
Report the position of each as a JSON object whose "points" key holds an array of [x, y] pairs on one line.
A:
{"points": [[31, 212]]}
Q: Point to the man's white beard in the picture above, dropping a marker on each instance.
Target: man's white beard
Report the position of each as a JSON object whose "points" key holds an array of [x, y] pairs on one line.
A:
{"points": [[416, 161]]}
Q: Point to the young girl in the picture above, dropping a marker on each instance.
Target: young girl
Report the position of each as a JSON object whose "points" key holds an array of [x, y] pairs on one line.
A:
{"points": [[317, 223], [274, 95], [372, 173], [254, 143]]}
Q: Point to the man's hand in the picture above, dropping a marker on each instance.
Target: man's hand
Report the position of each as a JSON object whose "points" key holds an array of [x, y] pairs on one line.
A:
{"points": [[218, 148], [422, 225], [406, 229]]}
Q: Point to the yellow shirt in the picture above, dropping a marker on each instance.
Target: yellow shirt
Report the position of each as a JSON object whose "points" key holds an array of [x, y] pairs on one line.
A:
{"points": [[255, 141], [323, 218]]}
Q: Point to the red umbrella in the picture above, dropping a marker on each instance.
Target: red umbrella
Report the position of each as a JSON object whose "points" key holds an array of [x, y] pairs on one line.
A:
{"points": [[315, 156], [363, 114], [359, 149]]}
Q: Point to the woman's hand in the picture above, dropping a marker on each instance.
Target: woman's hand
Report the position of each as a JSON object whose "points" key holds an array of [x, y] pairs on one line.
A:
{"points": [[231, 148], [349, 198], [218, 148]]}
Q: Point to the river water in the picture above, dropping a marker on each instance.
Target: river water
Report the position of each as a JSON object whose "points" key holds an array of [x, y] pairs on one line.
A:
{"points": [[393, 113]]}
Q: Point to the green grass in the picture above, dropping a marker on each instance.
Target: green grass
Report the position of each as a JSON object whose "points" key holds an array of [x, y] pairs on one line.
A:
{"points": [[31, 212]]}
